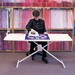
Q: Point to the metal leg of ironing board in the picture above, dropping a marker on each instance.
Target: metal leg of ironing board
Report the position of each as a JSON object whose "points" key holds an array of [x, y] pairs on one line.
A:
{"points": [[60, 61], [19, 61]]}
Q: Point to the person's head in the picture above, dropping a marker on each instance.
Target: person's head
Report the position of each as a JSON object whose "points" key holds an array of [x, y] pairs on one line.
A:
{"points": [[36, 14]]}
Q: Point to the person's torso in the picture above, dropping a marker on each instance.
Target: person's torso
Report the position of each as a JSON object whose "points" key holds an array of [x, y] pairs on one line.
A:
{"points": [[38, 25]]}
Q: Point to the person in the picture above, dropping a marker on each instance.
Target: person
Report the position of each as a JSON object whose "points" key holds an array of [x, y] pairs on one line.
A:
{"points": [[37, 24]]}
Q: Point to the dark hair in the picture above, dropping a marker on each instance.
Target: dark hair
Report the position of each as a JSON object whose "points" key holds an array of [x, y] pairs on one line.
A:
{"points": [[36, 13]]}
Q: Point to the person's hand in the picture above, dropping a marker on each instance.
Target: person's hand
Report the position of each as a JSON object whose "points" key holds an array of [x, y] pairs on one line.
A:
{"points": [[45, 33], [32, 31]]}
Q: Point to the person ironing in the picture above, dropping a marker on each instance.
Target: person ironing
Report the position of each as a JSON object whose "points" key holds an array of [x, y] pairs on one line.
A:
{"points": [[38, 25]]}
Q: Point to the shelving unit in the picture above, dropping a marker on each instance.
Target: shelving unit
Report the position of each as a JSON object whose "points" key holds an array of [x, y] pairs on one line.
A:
{"points": [[12, 28]]}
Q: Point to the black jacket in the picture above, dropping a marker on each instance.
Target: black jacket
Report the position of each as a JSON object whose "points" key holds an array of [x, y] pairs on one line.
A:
{"points": [[38, 25]]}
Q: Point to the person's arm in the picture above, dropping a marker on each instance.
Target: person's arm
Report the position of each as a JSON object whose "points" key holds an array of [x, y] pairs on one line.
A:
{"points": [[28, 26], [44, 27]]}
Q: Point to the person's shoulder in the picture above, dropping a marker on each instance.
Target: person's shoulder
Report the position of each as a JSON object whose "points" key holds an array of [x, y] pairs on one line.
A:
{"points": [[41, 20], [31, 19]]}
